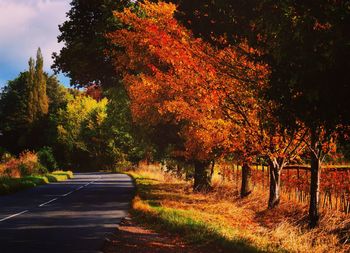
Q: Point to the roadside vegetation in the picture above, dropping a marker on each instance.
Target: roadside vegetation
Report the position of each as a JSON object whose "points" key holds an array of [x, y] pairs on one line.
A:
{"points": [[222, 220], [28, 170], [10, 185]]}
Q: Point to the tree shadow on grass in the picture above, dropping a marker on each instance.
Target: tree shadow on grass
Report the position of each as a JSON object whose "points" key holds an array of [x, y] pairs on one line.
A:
{"points": [[157, 193]]}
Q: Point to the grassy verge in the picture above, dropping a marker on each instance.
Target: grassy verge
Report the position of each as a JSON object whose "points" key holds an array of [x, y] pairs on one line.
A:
{"points": [[63, 175], [223, 221], [11, 185], [191, 224]]}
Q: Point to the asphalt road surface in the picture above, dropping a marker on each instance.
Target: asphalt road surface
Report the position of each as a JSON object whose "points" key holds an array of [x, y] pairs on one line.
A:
{"points": [[71, 216]]}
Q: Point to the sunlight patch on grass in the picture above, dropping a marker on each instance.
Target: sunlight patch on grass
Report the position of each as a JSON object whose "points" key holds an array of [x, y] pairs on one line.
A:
{"points": [[68, 174]]}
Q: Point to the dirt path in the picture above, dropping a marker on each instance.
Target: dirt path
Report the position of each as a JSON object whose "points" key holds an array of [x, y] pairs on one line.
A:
{"points": [[130, 238]]}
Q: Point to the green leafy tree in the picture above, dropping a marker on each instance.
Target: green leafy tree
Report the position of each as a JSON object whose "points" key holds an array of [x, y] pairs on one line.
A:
{"points": [[13, 114], [97, 134], [47, 159], [38, 105], [80, 132], [70, 121], [58, 95], [40, 85], [83, 57], [120, 130], [24, 106]]}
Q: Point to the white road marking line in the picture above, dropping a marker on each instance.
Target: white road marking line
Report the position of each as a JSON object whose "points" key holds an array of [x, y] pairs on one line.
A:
{"points": [[81, 187], [52, 200], [64, 195], [13, 215], [43, 204]]}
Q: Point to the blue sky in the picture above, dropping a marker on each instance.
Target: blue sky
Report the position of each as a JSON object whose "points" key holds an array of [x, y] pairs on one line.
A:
{"points": [[26, 25]]}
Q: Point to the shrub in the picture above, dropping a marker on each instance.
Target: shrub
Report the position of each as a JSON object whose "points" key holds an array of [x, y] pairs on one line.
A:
{"points": [[47, 158], [29, 164], [11, 168]]}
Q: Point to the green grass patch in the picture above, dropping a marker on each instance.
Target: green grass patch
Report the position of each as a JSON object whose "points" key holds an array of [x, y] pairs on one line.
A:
{"points": [[11, 185]]}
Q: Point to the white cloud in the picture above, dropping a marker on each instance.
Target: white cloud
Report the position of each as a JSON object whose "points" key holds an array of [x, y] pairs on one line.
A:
{"points": [[27, 24]]}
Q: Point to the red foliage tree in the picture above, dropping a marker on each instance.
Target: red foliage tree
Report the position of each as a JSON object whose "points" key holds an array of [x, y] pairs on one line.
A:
{"points": [[174, 78], [259, 132]]}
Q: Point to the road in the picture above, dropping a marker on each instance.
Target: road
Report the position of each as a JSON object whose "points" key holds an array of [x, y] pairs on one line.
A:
{"points": [[73, 216]]}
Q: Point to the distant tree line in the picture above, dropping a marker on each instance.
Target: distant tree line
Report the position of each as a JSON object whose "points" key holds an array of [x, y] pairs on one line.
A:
{"points": [[81, 129]]}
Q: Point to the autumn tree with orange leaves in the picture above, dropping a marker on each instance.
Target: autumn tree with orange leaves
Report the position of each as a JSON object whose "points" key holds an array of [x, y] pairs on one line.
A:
{"points": [[172, 78], [259, 132], [210, 95]]}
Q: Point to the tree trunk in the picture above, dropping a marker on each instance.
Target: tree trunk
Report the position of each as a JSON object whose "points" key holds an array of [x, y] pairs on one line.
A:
{"points": [[275, 183], [246, 187], [202, 178], [212, 169], [314, 190]]}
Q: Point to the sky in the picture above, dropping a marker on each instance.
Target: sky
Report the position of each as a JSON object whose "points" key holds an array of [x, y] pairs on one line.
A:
{"points": [[26, 25]]}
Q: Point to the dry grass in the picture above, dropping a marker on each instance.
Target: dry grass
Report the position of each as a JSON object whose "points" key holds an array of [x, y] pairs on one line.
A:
{"points": [[228, 218]]}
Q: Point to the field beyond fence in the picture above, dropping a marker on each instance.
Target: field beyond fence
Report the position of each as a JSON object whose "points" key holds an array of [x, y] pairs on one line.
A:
{"points": [[295, 183]]}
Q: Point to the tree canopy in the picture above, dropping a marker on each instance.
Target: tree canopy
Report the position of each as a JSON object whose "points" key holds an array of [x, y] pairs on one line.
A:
{"points": [[174, 79], [24, 102], [82, 57]]}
